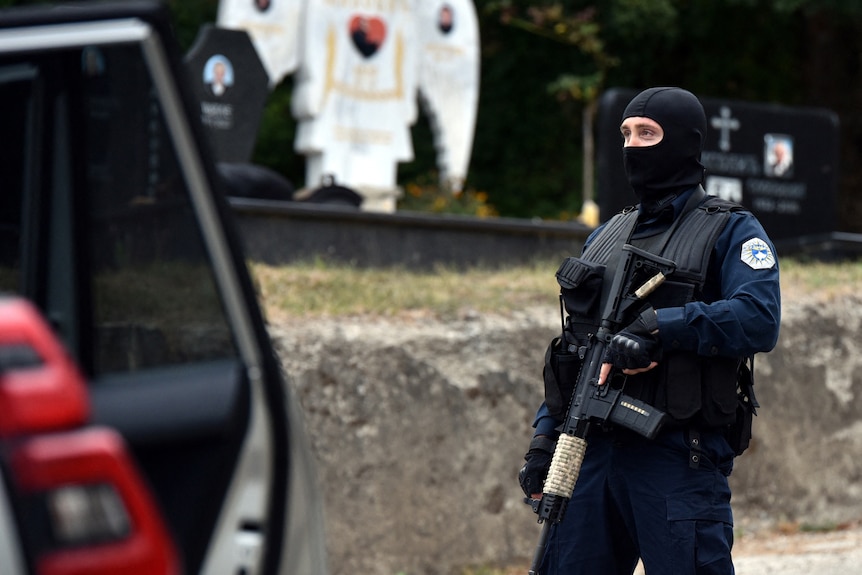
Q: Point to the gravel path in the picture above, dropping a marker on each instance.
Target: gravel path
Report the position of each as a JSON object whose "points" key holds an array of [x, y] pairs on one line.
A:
{"points": [[830, 553], [770, 552]]}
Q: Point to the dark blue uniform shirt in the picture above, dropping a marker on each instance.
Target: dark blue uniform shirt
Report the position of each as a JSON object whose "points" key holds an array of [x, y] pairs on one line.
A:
{"points": [[741, 309]]}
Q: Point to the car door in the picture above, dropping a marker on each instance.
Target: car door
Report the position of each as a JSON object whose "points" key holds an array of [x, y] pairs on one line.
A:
{"points": [[111, 222], [11, 555]]}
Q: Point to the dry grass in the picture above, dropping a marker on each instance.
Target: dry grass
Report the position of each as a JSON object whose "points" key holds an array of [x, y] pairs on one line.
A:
{"points": [[328, 290], [314, 290], [825, 280]]}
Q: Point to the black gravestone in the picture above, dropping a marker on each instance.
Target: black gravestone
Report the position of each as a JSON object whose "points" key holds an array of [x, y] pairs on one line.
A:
{"points": [[232, 85], [780, 162]]}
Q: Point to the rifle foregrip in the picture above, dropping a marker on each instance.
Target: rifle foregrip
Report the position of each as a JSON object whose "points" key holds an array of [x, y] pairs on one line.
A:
{"points": [[565, 465]]}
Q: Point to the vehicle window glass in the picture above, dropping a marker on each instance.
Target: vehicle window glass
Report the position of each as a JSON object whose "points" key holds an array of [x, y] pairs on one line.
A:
{"points": [[96, 222], [15, 93], [154, 298]]}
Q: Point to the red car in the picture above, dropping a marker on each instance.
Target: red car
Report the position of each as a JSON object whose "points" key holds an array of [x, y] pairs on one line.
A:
{"points": [[145, 425]]}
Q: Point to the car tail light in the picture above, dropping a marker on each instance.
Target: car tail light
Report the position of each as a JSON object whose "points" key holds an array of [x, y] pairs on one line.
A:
{"points": [[83, 506], [87, 511], [41, 389]]}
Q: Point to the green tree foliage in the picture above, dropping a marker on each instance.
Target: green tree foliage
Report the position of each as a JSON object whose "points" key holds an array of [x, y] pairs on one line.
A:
{"points": [[540, 63], [746, 49], [189, 16], [524, 157], [275, 137]]}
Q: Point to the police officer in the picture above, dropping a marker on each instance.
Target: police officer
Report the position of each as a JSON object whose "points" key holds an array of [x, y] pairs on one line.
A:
{"points": [[667, 500]]}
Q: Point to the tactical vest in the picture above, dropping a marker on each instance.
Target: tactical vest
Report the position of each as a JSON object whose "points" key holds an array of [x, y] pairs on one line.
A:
{"points": [[687, 386]]}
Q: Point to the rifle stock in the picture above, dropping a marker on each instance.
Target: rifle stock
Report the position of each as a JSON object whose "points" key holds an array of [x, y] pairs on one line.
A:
{"points": [[638, 274]]}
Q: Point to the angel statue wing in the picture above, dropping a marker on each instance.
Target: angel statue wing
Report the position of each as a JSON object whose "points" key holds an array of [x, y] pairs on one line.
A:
{"points": [[449, 81], [274, 27]]}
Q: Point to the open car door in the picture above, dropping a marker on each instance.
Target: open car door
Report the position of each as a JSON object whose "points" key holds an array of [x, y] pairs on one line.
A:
{"points": [[112, 224]]}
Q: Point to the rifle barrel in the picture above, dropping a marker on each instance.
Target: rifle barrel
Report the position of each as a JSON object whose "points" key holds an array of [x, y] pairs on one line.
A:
{"points": [[540, 549]]}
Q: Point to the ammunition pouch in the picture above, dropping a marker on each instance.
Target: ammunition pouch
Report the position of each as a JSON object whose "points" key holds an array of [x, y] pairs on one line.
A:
{"points": [[581, 288], [719, 383], [689, 385], [723, 400], [580, 293], [739, 432], [560, 373]]}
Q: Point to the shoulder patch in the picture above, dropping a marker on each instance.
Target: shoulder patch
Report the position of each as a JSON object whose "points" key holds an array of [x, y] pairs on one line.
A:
{"points": [[756, 253]]}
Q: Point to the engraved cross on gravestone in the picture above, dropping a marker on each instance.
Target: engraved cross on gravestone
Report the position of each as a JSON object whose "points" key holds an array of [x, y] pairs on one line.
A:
{"points": [[724, 123]]}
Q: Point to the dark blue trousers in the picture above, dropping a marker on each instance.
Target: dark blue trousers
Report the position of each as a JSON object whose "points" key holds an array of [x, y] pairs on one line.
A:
{"points": [[642, 498]]}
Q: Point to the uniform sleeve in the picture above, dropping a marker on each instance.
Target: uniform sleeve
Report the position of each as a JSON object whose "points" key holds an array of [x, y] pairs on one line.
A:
{"points": [[544, 423], [744, 312]]}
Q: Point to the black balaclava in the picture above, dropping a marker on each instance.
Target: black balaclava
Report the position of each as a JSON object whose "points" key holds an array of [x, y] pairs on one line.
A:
{"points": [[661, 172]]}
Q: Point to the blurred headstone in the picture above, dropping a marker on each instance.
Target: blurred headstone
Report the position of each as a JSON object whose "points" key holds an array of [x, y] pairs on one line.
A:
{"points": [[780, 162], [232, 86]]}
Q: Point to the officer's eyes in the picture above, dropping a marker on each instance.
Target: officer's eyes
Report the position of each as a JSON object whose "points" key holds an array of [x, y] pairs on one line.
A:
{"points": [[643, 133]]}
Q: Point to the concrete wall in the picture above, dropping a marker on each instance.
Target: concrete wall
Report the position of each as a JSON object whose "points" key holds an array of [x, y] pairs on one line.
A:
{"points": [[276, 232], [420, 428]]}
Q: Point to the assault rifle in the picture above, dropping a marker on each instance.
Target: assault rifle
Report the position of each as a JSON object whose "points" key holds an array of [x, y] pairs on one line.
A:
{"points": [[638, 274]]}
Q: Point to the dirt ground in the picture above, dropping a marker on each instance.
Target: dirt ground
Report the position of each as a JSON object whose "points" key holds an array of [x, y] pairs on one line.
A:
{"points": [[836, 552], [786, 550]]}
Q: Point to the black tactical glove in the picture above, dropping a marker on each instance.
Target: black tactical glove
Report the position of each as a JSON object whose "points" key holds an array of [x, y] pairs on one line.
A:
{"points": [[636, 346], [535, 470]]}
